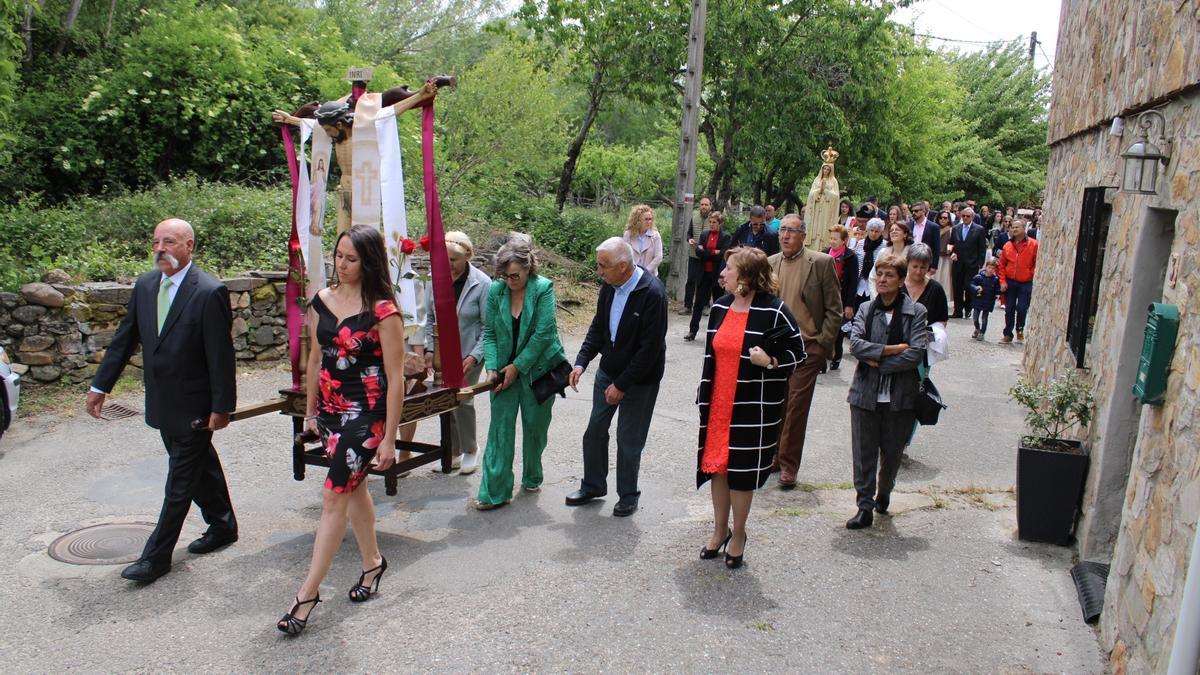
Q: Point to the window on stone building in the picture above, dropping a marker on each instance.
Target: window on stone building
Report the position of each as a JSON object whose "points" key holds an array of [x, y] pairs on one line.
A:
{"points": [[1089, 265]]}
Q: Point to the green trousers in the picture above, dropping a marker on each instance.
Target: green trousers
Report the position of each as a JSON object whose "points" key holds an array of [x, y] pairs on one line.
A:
{"points": [[497, 479]]}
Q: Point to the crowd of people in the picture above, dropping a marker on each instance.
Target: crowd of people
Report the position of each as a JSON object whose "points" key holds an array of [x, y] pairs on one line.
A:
{"points": [[779, 314]]}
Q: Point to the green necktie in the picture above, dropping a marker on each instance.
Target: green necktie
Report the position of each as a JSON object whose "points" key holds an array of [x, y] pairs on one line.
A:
{"points": [[164, 301]]}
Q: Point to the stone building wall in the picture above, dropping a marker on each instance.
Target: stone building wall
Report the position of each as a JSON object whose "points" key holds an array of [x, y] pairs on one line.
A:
{"points": [[58, 331], [1117, 55], [1115, 58]]}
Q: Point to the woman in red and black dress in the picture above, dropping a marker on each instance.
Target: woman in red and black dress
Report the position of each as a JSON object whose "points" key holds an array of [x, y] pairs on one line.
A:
{"points": [[741, 396], [710, 249], [355, 385]]}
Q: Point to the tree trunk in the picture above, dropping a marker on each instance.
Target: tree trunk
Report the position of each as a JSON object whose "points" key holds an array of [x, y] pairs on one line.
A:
{"points": [[567, 176], [27, 33], [68, 24], [112, 9]]}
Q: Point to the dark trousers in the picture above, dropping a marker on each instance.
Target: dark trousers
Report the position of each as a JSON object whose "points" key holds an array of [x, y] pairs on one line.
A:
{"points": [[193, 475], [1016, 305], [633, 425], [801, 384], [961, 274], [980, 318], [877, 439], [837, 345], [694, 269], [707, 290]]}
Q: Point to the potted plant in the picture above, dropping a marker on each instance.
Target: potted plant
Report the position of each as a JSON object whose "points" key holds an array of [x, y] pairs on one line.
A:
{"points": [[1051, 470]]}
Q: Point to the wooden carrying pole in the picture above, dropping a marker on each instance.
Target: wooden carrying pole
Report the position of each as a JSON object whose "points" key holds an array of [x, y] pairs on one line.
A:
{"points": [[685, 178]]}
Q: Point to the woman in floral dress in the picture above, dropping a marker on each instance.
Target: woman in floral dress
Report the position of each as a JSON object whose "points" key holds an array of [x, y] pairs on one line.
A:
{"points": [[355, 386]]}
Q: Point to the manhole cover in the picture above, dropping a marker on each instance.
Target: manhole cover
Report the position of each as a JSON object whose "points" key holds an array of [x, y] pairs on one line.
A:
{"points": [[116, 411], [108, 544]]}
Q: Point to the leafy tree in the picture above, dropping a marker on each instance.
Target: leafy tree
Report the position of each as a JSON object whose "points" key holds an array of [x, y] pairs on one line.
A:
{"points": [[628, 47], [1007, 106], [504, 126]]}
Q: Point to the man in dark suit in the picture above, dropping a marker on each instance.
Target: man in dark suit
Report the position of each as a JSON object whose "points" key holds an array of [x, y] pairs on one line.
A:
{"points": [[925, 231], [181, 318], [970, 248], [629, 333]]}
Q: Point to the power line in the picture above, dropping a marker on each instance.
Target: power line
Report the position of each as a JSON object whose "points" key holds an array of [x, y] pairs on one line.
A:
{"points": [[967, 42], [948, 9]]}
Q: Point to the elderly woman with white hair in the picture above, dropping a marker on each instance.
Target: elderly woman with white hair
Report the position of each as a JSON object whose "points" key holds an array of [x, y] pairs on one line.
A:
{"points": [[868, 250], [471, 286]]}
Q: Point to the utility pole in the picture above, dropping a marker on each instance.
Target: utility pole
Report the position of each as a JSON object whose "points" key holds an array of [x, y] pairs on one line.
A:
{"points": [[685, 177], [1032, 44]]}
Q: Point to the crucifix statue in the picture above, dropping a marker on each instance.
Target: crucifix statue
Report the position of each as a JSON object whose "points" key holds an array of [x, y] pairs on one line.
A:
{"points": [[337, 120]]}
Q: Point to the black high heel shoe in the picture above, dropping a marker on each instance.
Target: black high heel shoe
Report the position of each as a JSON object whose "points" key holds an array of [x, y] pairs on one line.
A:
{"points": [[361, 593], [292, 625], [710, 553], [735, 561]]}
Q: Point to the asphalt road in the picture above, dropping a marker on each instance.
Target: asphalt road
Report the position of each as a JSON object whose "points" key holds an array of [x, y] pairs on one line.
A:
{"points": [[941, 586]]}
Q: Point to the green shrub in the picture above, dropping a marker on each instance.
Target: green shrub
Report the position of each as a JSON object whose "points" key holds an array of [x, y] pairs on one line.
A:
{"points": [[237, 228]]}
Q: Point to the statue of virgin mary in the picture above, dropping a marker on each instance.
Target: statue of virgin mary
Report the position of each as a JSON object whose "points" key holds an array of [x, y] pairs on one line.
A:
{"points": [[821, 211]]}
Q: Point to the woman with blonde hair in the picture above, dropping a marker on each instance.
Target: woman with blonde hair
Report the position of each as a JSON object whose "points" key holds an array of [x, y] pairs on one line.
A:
{"points": [[644, 238], [471, 287]]}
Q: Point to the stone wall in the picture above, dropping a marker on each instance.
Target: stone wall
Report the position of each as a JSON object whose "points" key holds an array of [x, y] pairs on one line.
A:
{"points": [[1114, 56], [57, 331], [1155, 471]]}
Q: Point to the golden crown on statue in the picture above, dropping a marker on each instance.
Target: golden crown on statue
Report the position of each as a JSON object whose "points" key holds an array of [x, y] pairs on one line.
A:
{"points": [[829, 155]]}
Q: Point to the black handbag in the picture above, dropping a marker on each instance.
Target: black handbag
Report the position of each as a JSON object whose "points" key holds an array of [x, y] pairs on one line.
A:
{"points": [[929, 404], [553, 382], [773, 339]]}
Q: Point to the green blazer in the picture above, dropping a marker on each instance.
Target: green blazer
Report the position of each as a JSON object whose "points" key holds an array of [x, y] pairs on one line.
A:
{"points": [[538, 346]]}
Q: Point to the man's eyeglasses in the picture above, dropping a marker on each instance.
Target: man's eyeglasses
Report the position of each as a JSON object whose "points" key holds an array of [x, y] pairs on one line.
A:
{"points": [[790, 230]]}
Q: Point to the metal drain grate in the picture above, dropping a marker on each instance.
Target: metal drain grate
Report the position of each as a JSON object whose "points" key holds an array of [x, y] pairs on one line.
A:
{"points": [[116, 411], [107, 544]]}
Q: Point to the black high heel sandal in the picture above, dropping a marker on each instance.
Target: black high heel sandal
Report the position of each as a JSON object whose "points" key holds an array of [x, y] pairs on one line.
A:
{"points": [[362, 593], [735, 561], [292, 625], [710, 553]]}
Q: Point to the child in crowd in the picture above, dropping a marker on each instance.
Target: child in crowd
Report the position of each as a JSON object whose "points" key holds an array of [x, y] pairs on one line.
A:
{"points": [[983, 289]]}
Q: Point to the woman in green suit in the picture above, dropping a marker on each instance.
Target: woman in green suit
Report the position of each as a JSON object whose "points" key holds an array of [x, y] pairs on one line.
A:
{"points": [[520, 344]]}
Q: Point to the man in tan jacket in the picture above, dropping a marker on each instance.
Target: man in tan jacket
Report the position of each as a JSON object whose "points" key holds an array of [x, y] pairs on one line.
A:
{"points": [[809, 286]]}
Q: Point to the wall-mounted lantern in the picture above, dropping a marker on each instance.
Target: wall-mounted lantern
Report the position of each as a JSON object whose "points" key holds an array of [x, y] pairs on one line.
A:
{"points": [[1142, 158]]}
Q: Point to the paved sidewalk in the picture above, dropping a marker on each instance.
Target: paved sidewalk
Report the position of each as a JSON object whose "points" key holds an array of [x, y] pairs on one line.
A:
{"points": [[941, 586]]}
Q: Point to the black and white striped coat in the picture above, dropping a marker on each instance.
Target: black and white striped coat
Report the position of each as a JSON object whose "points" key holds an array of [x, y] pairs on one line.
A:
{"points": [[759, 399]]}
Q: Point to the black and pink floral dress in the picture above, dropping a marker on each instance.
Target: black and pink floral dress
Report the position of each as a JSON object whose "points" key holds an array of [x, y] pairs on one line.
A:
{"points": [[352, 399]]}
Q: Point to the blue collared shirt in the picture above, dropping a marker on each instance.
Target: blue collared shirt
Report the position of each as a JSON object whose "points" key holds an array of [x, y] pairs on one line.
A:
{"points": [[620, 297]]}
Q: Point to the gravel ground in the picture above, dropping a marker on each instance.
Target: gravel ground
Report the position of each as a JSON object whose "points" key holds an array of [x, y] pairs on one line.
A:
{"points": [[941, 586]]}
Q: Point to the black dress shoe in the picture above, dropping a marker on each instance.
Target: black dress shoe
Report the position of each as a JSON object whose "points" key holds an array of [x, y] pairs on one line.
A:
{"points": [[145, 571], [580, 497], [834, 365], [689, 337], [210, 542], [623, 509], [862, 519], [881, 505]]}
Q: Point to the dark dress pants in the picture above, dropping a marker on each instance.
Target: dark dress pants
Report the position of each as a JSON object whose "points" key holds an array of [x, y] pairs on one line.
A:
{"points": [[693, 277], [707, 290], [961, 274], [877, 439], [193, 475], [633, 425]]}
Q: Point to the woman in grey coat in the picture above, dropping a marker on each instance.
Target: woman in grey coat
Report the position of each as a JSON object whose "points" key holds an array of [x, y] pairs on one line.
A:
{"points": [[888, 338], [470, 290]]}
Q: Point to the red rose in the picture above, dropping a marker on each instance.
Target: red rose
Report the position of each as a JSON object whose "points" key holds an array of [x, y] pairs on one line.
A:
{"points": [[408, 246], [424, 243]]}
